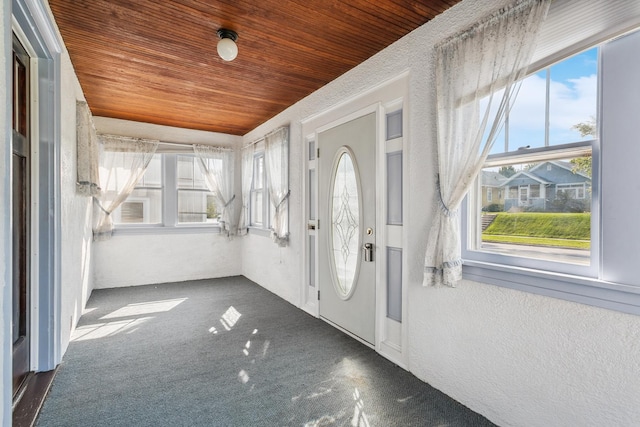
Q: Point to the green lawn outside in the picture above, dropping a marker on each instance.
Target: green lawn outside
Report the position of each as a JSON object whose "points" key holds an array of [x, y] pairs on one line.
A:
{"points": [[567, 230]]}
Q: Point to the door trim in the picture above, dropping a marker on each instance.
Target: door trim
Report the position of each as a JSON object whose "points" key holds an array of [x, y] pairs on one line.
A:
{"points": [[32, 25]]}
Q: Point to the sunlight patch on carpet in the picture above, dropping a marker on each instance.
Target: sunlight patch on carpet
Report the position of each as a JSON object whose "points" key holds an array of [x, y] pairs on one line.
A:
{"points": [[144, 308]]}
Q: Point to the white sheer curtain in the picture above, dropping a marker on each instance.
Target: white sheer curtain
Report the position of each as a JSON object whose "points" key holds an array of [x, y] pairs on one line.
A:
{"points": [[123, 161], [277, 160], [476, 75], [247, 175], [216, 165], [88, 153]]}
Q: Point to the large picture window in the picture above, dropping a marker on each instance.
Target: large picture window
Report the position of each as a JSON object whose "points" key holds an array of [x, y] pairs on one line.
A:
{"points": [[542, 164]]}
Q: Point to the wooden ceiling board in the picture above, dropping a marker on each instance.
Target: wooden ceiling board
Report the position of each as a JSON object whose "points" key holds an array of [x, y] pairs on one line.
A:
{"points": [[156, 62]]}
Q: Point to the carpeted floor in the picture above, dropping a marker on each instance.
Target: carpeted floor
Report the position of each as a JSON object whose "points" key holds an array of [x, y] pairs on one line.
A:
{"points": [[226, 352]]}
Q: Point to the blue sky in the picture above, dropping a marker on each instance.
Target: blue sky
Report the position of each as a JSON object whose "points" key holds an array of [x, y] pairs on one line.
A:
{"points": [[573, 99]]}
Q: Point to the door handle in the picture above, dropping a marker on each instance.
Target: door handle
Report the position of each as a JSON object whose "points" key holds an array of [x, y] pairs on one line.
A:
{"points": [[368, 252]]}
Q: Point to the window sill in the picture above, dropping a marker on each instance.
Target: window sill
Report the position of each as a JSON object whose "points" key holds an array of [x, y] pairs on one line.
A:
{"points": [[259, 231], [161, 229], [584, 290]]}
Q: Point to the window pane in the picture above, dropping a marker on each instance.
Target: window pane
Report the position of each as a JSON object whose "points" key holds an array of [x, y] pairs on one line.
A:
{"points": [[190, 174], [545, 212], [143, 206], [185, 172], [258, 172], [256, 208], [556, 105], [527, 117], [153, 175], [196, 206], [573, 98]]}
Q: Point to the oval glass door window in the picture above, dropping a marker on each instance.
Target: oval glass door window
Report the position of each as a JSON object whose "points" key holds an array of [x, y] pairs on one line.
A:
{"points": [[345, 223]]}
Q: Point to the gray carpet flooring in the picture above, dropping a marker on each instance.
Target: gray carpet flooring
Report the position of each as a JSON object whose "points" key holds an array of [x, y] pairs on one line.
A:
{"points": [[226, 352]]}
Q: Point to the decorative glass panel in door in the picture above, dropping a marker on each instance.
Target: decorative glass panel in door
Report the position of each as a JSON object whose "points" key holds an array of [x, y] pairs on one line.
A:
{"points": [[345, 223]]}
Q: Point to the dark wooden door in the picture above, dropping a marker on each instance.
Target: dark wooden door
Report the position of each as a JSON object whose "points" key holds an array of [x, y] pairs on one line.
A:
{"points": [[20, 223]]}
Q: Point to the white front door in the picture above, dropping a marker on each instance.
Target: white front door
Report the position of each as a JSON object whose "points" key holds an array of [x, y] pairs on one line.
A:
{"points": [[347, 238]]}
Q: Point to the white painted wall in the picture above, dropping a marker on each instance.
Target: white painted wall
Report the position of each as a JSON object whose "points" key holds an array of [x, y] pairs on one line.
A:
{"points": [[131, 260], [517, 358], [76, 277], [5, 224]]}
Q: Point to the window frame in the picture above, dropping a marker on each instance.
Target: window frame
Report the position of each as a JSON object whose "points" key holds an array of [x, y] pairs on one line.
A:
{"points": [[471, 226], [588, 286], [266, 202], [169, 188], [204, 191]]}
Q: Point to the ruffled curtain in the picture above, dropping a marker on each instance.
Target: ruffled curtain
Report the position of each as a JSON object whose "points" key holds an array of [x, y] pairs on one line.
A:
{"points": [[247, 175], [88, 153], [277, 162], [476, 75], [219, 178], [123, 161]]}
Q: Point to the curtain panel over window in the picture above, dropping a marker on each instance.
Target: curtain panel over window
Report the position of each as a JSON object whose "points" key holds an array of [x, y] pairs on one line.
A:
{"points": [[88, 156], [219, 178], [123, 161], [277, 162], [247, 176], [476, 82]]}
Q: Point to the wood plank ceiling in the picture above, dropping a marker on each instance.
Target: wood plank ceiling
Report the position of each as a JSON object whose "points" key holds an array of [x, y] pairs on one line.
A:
{"points": [[155, 61]]}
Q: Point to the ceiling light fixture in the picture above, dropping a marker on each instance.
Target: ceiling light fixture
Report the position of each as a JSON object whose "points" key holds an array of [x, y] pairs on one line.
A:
{"points": [[227, 48]]}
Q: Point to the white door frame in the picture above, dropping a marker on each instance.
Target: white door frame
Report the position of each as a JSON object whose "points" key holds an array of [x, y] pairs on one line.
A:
{"points": [[391, 95], [33, 27]]}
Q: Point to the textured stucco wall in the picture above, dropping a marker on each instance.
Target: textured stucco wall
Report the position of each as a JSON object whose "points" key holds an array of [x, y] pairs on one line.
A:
{"points": [[523, 359], [76, 245], [131, 260], [517, 358]]}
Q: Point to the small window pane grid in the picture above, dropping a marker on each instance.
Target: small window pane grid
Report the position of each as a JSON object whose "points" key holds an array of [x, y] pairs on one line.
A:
{"points": [[543, 204], [259, 198], [311, 215]]}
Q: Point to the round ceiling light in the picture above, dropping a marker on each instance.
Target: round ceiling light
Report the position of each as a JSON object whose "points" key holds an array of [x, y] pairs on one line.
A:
{"points": [[227, 48]]}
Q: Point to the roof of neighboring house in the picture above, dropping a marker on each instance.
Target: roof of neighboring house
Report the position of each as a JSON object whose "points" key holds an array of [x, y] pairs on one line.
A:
{"points": [[528, 175], [493, 179], [564, 165]]}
